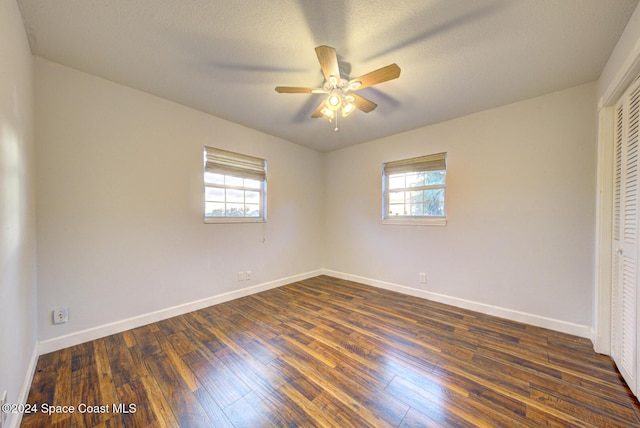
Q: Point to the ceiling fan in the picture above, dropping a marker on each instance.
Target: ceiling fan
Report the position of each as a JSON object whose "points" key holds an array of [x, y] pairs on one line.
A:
{"points": [[340, 92]]}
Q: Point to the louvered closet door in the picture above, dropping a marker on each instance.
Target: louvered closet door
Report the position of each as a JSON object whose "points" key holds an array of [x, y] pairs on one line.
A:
{"points": [[625, 270]]}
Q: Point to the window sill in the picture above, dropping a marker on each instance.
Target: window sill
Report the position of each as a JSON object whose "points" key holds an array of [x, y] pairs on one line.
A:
{"points": [[416, 222], [211, 220]]}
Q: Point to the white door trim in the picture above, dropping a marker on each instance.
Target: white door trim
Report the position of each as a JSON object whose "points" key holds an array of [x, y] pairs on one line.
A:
{"points": [[601, 335]]}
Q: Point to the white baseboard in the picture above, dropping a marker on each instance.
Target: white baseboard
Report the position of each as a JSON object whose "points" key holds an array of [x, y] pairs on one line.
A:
{"points": [[87, 335], [14, 419], [602, 345], [539, 321]]}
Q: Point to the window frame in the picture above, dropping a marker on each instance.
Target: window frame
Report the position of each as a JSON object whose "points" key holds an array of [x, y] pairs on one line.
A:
{"points": [[435, 162], [236, 165]]}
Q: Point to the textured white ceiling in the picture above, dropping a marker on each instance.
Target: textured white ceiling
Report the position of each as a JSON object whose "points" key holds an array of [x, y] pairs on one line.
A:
{"points": [[225, 57]]}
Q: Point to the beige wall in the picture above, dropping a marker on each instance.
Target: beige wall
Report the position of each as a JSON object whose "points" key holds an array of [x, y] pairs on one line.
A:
{"points": [[521, 201], [18, 334], [120, 204]]}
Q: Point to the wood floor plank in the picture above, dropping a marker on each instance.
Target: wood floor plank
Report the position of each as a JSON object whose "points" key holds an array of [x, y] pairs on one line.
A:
{"points": [[181, 367], [221, 383], [599, 413], [43, 389], [123, 367], [312, 411], [157, 402], [328, 352], [417, 419], [287, 411], [344, 414], [249, 411], [441, 412], [134, 393], [258, 377], [471, 406], [378, 408], [185, 406], [180, 342], [85, 389], [63, 386], [217, 416], [108, 392], [146, 340]]}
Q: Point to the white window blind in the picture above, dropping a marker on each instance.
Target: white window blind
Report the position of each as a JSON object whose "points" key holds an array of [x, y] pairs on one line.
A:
{"points": [[236, 164], [235, 187], [437, 162]]}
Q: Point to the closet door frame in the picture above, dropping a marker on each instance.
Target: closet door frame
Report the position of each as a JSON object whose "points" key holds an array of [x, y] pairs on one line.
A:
{"points": [[626, 221], [627, 71]]}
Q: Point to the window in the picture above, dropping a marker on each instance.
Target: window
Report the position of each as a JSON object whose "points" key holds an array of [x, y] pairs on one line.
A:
{"points": [[414, 190], [235, 187]]}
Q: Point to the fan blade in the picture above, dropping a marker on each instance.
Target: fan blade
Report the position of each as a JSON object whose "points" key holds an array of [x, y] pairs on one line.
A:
{"points": [[318, 112], [293, 90], [391, 71], [363, 104], [328, 62]]}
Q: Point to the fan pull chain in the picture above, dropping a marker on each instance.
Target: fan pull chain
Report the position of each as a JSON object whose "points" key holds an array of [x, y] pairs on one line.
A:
{"points": [[336, 128]]}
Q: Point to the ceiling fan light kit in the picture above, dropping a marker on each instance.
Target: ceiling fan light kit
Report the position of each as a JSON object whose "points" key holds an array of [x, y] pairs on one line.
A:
{"points": [[338, 90], [334, 101]]}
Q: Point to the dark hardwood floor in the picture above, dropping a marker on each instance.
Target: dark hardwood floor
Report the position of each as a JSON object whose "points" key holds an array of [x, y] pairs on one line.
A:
{"points": [[329, 352]]}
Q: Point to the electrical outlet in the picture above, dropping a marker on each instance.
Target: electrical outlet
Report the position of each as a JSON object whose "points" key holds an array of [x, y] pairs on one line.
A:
{"points": [[248, 276], [60, 315], [423, 278], [241, 276], [3, 414]]}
